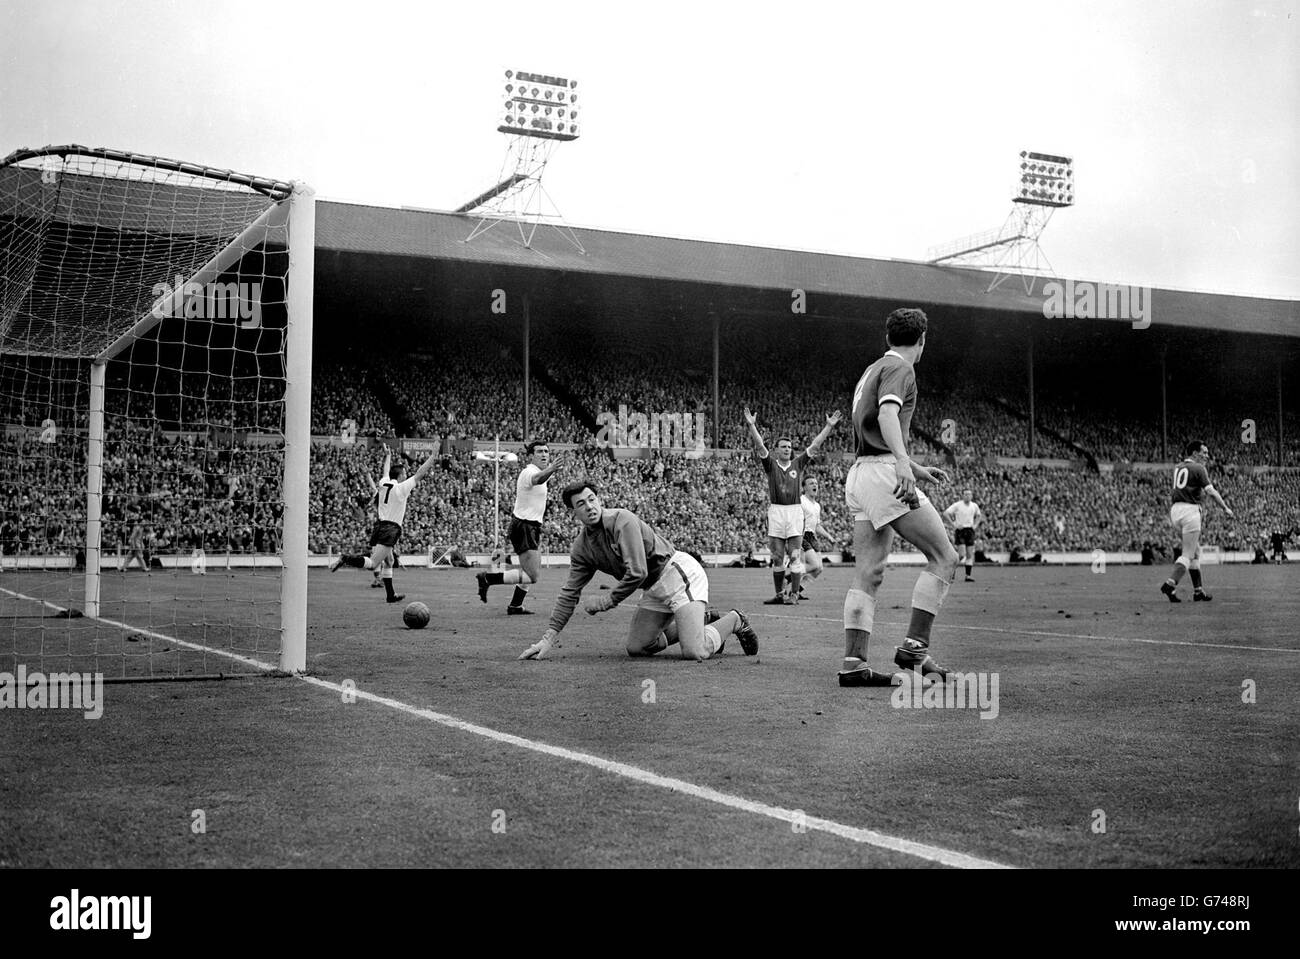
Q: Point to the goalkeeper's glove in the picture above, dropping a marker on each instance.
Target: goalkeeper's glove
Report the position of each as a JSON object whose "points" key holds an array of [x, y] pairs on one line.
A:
{"points": [[599, 605], [539, 649]]}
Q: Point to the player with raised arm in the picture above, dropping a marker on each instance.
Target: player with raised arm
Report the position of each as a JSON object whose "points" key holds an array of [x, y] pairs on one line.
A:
{"points": [[675, 596], [378, 581], [882, 494], [525, 528], [393, 493], [784, 512], [965, 517], [1191, 484]]}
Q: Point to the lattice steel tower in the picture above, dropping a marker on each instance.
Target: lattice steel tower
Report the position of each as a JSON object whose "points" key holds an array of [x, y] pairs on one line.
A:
{"points": [[540, 112], [1046, 184]]}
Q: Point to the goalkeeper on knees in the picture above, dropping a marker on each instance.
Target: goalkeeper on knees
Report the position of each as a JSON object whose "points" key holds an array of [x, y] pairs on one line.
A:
{"points": [[675, 589]]}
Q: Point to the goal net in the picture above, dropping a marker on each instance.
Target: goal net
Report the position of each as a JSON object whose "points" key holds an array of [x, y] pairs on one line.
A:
{"points": [[155, 338]]}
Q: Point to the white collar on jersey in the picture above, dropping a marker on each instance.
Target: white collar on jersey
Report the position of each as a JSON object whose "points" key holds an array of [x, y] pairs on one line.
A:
{"points": [[895, 353]]}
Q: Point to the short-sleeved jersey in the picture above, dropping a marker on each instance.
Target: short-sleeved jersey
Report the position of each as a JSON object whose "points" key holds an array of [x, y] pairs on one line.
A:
{"points": [[530, 499], [890, 379], [784, 483], [392, 499], [812, 514], [1190, 480], [963, 514]]}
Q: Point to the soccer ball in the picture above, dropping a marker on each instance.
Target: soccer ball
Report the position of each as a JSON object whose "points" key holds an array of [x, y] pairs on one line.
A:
{"points": [[416, 616]]}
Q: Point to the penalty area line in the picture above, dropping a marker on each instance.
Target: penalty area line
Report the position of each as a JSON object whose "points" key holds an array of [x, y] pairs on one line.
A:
{"points": [[868, 837]]}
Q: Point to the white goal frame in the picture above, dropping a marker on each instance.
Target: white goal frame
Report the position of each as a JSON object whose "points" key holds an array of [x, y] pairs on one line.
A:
{"points": [[293, 218]]}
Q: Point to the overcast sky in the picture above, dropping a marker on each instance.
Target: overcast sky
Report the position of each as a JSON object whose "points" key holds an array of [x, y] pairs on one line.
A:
{"points": [[872, 129]]}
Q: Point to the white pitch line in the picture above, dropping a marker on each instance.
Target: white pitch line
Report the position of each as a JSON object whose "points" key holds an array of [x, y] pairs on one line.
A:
{"points": [[868, 837], [946, 857], [33, 599], [1039, 632]]}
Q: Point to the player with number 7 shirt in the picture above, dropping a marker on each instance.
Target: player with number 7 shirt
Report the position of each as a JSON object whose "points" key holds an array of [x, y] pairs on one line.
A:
{"points": [[394, 490]]}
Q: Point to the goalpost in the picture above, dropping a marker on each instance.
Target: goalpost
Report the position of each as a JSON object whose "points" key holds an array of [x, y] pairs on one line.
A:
{"points": [[155, 392]]}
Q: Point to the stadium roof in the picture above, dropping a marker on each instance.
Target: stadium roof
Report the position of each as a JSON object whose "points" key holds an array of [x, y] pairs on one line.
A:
{"points": [[348, 227]]}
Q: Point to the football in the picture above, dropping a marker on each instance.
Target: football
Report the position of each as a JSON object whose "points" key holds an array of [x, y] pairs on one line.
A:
{"points": [[416, 616]]}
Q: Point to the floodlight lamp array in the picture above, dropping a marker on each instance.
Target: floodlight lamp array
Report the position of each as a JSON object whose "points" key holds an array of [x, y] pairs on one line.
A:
{"points": [[538, 105], [1045, 180]]}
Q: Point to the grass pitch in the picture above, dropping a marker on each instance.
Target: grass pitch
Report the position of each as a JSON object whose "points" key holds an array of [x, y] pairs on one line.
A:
{"points": [[1129, 732]]}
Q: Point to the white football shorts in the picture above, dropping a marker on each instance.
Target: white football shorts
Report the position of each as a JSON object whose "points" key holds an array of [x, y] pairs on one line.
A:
{"points": [[1185, 517], [682, 581], [869, 490], [785, 521]]}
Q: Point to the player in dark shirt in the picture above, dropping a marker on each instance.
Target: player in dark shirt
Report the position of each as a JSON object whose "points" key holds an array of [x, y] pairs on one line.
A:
{"points": [[1191, 485], [1278, 542], [784, 513], [881, 492]]}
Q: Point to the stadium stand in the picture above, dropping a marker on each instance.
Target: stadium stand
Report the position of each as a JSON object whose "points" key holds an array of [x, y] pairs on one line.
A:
{"points": [[710, 504], [469, 388]]}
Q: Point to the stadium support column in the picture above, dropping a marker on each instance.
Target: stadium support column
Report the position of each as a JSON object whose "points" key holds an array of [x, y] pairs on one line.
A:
{"points": [[717, 432], [1279, 412], [1029, 360], [94, 484], [1164, 406], [299, 299], [527, 408]]}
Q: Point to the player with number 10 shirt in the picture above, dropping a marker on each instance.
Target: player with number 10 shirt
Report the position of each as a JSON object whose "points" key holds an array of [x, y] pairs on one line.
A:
{"points": [[1191, 485]]}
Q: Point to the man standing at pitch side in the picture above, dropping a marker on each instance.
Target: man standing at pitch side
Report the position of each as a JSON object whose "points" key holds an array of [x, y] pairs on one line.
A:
{"points": [[965, 516]]}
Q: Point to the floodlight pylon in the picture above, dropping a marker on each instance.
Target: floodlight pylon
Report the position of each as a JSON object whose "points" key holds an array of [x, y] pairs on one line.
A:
{"points": [[1046, 184], [539, 112], [520, 196]]}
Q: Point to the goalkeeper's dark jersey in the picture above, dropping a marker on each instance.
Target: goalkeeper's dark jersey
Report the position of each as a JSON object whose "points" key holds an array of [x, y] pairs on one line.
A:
{"points": [[622, 545]]}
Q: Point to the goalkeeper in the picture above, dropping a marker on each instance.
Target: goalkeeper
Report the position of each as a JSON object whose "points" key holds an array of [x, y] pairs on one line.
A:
{"points": [[673, 605]]}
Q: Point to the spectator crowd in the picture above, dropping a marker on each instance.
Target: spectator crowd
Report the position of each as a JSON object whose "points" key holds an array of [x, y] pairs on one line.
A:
{"points": [[182, 459]]}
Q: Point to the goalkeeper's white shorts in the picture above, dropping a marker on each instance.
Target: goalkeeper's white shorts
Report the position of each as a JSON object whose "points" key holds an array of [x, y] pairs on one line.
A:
{"points": [[682, 581]]}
